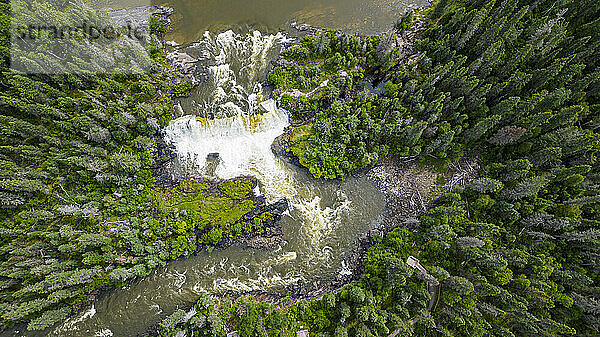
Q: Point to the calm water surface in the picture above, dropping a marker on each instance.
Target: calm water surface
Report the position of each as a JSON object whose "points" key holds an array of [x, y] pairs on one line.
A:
{"points": [[193, 17]]}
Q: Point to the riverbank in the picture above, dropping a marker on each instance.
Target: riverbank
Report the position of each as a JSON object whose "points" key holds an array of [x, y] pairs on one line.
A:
{"points": [[400, 179]]}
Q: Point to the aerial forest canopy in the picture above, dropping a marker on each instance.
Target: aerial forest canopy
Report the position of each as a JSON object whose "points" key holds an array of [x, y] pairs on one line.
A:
{"points": [[512, 83]]}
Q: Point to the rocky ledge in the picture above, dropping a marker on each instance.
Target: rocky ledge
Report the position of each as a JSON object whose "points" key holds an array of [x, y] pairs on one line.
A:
{"points": [[281, 150], [169, 171], [272, 235]]}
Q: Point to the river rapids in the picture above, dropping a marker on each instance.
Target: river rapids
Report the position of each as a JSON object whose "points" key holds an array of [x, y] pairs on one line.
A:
{"points": [[232, 115]]}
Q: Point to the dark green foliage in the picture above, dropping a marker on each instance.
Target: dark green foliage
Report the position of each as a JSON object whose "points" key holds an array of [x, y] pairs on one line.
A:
{"points": [[481, 77]]}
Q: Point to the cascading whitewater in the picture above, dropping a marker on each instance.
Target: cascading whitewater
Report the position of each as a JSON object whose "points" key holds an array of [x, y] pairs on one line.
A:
{"points": [[245, 126], [243, 143], [236, 65]]}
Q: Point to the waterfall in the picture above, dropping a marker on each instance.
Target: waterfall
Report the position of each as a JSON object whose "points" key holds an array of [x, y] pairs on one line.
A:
{"points": [[243, 143], [243, 127], [231, 115]]}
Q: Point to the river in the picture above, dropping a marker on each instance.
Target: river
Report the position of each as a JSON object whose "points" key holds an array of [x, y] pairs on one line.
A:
{"points": [[231, 114], [193, 17]]}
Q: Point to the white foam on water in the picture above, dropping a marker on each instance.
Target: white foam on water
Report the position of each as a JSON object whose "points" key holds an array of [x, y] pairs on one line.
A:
{"points": [[236, 121], [243, 143], [345, 270], [280, 259], [71, 324], [104, 333], [322, 220]]}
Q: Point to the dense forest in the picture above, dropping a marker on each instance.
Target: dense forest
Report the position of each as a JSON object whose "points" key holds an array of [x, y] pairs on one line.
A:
{"points": [[514, 83], [80, 208]]}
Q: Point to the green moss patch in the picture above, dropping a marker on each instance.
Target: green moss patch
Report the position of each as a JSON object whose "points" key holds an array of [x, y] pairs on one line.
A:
{"points": [[235, 189]]}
